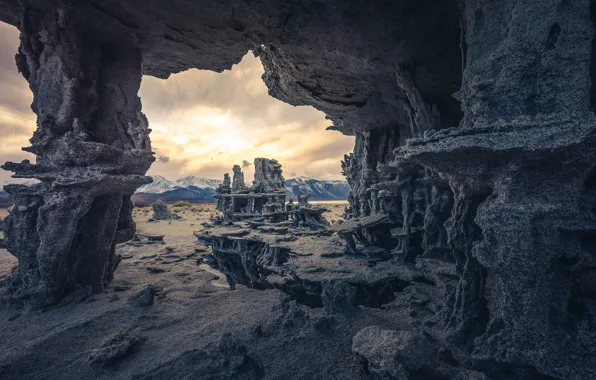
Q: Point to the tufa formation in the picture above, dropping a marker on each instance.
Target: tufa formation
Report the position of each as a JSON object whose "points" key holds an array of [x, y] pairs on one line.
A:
{"points": [[473, 174]]}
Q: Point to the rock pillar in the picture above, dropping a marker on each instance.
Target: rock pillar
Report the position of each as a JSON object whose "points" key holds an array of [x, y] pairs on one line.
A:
{"points": [[92, 147], [521, 169]]}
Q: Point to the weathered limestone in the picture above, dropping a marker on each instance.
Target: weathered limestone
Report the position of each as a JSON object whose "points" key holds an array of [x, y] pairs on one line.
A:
{"points": [[521, 171], [304, 214], [92, 151], [238, 179], [264, 199]]}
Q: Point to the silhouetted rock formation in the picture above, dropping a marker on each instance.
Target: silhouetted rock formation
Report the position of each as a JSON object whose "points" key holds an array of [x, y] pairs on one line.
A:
{"points": [[473, 174]]}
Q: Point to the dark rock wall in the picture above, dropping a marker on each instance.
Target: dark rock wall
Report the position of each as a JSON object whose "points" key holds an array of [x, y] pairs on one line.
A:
{"points": [[519, 170]]}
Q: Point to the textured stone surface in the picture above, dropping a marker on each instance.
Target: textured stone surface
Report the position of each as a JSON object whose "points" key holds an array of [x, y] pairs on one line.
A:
{"points": [[264, 200], [473, 168], [392, 354], [92, 151], [115, 347], [303, 214]]}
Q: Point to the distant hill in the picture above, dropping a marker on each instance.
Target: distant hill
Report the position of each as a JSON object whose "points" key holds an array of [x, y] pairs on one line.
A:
{"points": [[196, 189], [192, 189], [321, 190]]}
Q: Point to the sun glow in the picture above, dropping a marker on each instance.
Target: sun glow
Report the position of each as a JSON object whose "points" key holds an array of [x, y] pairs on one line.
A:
{"points": [[232, 121]]}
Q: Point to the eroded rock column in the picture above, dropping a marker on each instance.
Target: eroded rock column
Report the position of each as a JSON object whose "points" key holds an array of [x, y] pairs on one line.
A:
{"points": [[519, 166], [92, 147]]}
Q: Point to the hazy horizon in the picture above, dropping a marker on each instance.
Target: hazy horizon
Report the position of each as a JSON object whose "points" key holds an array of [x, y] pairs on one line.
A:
{"points": [[202, 123]]}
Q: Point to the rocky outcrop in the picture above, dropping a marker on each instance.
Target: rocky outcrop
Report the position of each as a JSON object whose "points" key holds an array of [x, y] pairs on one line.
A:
{"points": [[238, 179], [92, 149], [394, 354], [304, 214], [161, 211], [265, 199], [268, 176]]}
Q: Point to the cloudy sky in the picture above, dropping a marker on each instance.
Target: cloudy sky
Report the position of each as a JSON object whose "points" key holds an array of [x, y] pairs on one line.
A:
{"points": [[203, 122]]}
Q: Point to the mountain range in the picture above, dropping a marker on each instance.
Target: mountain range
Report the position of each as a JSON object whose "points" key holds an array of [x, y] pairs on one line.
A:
{"points": [[196, 189]]}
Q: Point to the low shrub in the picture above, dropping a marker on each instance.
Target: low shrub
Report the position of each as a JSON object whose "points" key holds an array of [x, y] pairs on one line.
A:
{"points": [[181, 204]]}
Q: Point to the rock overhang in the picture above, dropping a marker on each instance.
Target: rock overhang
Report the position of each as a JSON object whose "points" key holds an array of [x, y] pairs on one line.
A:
{"points": [[331, 56]]}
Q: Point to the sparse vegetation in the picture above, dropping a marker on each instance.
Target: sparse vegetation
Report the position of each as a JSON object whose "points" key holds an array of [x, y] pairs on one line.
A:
{"points": [[181, 204]]}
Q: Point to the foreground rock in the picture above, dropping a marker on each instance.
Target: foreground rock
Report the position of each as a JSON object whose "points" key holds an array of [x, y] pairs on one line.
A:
{"points": [[92, 153]]}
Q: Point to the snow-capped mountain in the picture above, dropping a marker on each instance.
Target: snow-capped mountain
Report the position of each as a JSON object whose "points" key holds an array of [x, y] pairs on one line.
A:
{"points": [[196, 189], [203, 183], [322, 190], [193, 189], [162, 185]]}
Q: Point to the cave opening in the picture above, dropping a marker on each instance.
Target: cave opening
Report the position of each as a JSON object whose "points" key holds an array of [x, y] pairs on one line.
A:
{"points": [[203, 122]]}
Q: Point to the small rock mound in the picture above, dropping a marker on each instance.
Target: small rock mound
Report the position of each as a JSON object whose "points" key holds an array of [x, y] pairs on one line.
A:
{"points": [[145, 297], [115, 347], [391, 354], [160, 211]]}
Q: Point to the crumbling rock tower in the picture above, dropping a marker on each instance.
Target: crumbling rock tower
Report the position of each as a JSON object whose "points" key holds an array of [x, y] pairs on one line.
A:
{"points": [[264, 199], [92, 147]]}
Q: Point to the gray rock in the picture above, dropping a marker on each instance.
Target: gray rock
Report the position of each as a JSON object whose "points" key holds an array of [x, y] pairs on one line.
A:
{"points": [[145, 297], [226, 359], [338, 297], [115, 347], [389, 353], [161, 211], [471, 375]]}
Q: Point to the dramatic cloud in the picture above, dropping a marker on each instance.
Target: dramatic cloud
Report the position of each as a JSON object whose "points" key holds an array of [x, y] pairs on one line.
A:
{"points": [[203, 122], [17, 121]]}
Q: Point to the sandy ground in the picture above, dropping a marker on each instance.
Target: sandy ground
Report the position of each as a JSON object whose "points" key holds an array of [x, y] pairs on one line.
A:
{"points": [[182, 334], [178, 233]]}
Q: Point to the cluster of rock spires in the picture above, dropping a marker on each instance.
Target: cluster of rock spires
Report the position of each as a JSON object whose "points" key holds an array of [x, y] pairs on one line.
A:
{"points": [[265, 200], [473, 175]]}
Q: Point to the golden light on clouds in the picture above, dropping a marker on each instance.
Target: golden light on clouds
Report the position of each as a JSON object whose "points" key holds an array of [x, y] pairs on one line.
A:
{"points": [[203, 122]]}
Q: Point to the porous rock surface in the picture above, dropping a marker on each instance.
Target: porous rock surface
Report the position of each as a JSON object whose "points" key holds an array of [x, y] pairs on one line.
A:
{"points": [[473, 163], [264, 200]]}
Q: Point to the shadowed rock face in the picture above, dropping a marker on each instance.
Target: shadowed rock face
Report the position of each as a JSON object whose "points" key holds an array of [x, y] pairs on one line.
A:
{"points": [[343, 58], [92, 151], [496, 183]]}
